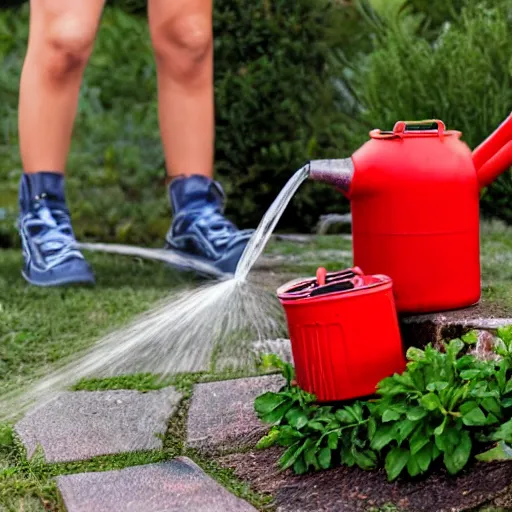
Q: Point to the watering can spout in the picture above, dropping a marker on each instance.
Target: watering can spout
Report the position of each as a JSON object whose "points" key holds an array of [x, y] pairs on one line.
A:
{"points": [[494, 155], [336, 172]]}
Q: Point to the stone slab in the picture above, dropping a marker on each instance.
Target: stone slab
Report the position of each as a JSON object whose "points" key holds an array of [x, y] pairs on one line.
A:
{"points": [[221, 416], [175, 486], [83, 424], [418, 330], [354, 490]]}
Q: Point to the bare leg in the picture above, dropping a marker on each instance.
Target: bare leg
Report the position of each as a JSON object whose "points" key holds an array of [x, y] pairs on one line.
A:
{"points": [[181, 32], [61, 39]]}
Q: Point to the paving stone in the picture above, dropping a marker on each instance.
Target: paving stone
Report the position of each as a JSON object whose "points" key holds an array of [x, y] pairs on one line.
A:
{"points": [[354, 490], [175, 486], [221, 416], [83, 424]]}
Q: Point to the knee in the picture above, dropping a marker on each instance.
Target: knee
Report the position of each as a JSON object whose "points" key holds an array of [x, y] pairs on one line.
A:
{"points": [[69, 43], [183, 44]]}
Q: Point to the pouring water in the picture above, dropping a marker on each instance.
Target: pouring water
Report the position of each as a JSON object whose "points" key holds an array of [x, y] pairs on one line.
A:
{"points": [[183, 332]]}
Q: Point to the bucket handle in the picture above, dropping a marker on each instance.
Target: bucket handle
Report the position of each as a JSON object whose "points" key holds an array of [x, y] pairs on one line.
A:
{"points": [[425, 126]]}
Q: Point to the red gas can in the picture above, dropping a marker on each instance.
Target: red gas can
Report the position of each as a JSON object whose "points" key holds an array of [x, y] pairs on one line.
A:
{"points": [[344, 333], [414, 195]]}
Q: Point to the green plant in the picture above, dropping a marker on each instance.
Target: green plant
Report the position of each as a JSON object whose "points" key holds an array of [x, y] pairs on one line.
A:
{"points": [[445, 407]]}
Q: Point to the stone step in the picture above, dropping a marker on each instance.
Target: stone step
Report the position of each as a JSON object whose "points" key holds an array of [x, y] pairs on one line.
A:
{"points": [[221, 415], [178, 485], [83, 424]]}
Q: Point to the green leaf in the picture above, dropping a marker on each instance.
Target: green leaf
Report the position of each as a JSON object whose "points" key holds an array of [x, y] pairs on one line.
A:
{"points": [[332, 440], [416, 413], [454, 347], [344, 416], [300, 466], [390, 415], [316, 425], [491, 419], [475, 417], [396, 461], [469, 374], [504, 433], [365, 460], [268, 440], [288, 435], [437, 386], [413, 467], [430, 402], [297, 418], [291, 454], [500, 452], [465, 362], [443, 442], [491, 405], [508, 387], [456, 460], [383, 437], [424, 457], [440, 429], [324, 458], [277, 414], [506, 402], [470, 338], [310, 455], [467, 407], [268, 402], [405, 427], [418, 441], [372, 427], [415, 354]]}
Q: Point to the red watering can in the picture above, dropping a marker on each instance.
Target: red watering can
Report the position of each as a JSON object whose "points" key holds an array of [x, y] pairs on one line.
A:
{"points": [[414, 195]]}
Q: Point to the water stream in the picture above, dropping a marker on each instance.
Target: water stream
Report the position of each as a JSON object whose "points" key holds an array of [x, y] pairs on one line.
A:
{"points": [[183, 332]]}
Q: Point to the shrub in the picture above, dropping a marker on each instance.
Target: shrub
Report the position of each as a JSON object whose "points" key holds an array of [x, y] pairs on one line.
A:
{"points": [[448, 407]]}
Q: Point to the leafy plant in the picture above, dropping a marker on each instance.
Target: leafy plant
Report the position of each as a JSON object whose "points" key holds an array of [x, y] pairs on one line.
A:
{"points": [[445, 407]]}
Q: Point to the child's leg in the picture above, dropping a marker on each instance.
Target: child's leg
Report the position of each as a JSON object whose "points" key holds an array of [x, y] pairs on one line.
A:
{"points": [[181, 31], [61, 39]]}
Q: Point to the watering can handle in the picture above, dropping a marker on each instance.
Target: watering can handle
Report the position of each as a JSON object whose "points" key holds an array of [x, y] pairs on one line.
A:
{"points": [[402, 127]]}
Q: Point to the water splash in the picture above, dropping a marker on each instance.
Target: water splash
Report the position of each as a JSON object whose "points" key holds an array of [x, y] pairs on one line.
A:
{"points": [[182, 333]]}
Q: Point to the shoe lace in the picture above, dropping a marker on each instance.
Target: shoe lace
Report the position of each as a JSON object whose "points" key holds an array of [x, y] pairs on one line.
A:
{"points": [[52, 233], [218, 230]]}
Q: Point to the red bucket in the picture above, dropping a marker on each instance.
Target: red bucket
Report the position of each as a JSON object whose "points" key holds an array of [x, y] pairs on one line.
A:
{"points": [[344, 332]]}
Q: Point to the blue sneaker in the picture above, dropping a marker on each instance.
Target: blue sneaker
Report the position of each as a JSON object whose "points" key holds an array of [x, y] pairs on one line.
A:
{"points": [[47, 238], [199, 229]]}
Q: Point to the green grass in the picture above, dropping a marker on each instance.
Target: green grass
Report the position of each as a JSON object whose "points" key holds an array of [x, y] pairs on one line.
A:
{"points": [[39, 327]]}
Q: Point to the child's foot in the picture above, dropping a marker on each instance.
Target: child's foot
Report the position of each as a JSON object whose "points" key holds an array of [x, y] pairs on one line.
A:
{"points": [[199, 228], [48, 242]]}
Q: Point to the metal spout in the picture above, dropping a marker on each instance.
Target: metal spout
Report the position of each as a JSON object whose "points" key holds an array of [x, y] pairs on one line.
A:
{"points": [[336, 172], [494, 155]]}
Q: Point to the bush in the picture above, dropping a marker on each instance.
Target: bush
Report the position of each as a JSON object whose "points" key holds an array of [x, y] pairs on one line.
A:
{"points": [[464, 78], [274, 111]]}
